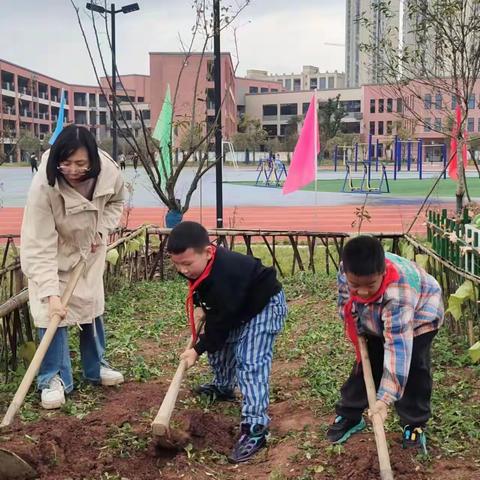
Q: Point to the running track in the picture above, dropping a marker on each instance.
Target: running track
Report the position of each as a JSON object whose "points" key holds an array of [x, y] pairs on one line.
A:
{"points": [[384, 219]]}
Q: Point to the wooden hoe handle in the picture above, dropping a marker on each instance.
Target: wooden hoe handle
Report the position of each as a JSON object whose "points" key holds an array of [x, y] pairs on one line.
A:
{"points": [[380, 439], [161, 423], [42, 349]]}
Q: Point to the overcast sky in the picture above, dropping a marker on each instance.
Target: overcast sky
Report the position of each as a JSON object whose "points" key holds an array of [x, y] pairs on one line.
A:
{"points": [[275, 35]]}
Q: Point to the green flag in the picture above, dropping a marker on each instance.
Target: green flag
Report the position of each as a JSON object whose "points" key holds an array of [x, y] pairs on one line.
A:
{"points": [[163, 133]]}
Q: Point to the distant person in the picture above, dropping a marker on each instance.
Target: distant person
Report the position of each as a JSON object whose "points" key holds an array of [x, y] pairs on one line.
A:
{"points": [[135, 161], [121, 161], [33, 163]]}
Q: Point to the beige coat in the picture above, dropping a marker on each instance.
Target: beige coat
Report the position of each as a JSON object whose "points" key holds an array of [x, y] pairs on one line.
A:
{"points": [[58, 229]]}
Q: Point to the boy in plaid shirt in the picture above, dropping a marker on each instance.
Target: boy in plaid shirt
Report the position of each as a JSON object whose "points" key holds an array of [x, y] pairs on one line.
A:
{"points": [[398, 307]]}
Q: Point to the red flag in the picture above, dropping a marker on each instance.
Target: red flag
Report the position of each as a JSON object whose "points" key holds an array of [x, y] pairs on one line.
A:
{"points": [[303, 169], [452, 168]]}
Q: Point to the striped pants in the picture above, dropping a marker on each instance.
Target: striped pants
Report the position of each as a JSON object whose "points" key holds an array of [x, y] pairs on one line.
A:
{"points": [[246, 358]]}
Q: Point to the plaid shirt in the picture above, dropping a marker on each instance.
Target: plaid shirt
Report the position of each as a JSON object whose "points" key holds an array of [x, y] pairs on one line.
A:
{"points": [[409, 307]]}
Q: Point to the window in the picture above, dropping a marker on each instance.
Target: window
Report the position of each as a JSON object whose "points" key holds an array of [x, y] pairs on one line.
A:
{"points": [[305, 108], [372, 128], [380, 128], [438, 124], [253, 90], [381, 105], [438, 101], [351, 106], [471, 124], [427, 101], [288, 84], [389, 105], [271, 130], [270, 110], [274, 90], [399, 105], [471, 101], [146, 114], [210, 67], [427, 122], [288, 109], [297, 84], [372, 105], [322, 84], [127, 114], [264, 90], [103, 118], [313, 83], [140, 99], [331, 82], [389, 127]]}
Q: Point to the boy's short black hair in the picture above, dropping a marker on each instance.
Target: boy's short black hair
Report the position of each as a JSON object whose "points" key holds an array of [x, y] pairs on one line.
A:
{"points": [[363, 255], [187, 235], [72, 138]]}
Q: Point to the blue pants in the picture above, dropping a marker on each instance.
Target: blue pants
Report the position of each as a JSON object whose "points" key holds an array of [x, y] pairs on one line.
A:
{"points": [[57, 358], [247, 358]]}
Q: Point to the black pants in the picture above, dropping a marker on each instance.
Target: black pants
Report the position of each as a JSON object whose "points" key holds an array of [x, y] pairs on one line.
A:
{"points": [[414, 406]]}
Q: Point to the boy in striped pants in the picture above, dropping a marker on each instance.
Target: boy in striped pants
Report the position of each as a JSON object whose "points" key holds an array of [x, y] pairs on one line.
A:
{"points": [[244, 308]]}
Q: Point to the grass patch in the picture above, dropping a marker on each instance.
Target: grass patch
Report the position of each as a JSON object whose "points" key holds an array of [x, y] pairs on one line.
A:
{"points": [[398, 188]]}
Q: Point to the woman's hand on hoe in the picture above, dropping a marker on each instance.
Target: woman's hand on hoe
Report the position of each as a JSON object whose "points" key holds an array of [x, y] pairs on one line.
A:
{"points": [[190, 356], [55, 307]]}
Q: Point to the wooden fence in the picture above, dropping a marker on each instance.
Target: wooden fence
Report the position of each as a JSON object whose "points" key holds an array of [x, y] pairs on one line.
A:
{"points": [[141, 255]]}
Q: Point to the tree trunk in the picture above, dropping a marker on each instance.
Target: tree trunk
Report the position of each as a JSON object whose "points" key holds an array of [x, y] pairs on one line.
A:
{"points": [[460, 192]]}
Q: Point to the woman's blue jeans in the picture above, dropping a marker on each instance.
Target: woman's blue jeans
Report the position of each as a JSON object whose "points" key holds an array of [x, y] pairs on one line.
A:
{"points": [[57, 359]]}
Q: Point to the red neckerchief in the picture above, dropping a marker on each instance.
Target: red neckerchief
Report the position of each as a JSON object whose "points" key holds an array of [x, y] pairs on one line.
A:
{"points": [[192, 286], [391, 275]]}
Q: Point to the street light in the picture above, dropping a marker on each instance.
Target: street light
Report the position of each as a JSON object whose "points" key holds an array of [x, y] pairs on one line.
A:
{"points": [[132, 7], [218, 111]]}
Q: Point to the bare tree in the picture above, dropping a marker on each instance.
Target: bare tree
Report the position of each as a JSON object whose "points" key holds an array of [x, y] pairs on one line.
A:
{"points": [[429, 60], [196, 135]]}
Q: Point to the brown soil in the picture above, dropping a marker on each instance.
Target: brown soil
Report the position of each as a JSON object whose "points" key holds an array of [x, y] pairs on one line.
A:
{"points": [[115, 441]]}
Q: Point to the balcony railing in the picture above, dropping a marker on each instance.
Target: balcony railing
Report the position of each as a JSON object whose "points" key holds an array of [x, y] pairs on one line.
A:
{"points": [[8, 86], [24, 90], [9, 110]]}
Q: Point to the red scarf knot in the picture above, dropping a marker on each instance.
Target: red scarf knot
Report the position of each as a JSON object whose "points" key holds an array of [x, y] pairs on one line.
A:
{"points": [[391, 275], [192, 286]]}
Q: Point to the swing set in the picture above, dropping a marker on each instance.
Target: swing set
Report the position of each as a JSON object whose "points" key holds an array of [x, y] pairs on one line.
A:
{"points": [[365, 185]]}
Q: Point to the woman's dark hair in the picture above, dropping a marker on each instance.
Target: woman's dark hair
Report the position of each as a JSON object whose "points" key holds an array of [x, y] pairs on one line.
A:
{"points": [[72, 138], [363, 255], [187, 235]]}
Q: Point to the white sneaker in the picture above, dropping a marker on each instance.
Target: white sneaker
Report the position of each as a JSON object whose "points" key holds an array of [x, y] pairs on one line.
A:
{"points": [[54, 395], [110, 377]]}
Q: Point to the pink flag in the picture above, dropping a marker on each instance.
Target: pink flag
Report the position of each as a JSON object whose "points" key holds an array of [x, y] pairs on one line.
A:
{"points": [[303, 169], [452, 168]]}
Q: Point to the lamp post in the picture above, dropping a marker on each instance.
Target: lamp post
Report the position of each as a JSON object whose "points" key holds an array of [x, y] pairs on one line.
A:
{"points": [[132, 7], [218, 113]]}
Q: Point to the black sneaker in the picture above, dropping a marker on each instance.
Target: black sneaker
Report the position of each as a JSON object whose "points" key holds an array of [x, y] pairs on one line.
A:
{"points": [[414, 437], [343, 428], [215, 393], [252, 439]]}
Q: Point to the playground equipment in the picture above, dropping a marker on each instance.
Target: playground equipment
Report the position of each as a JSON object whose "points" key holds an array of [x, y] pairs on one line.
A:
{"points": [[229, 150], [403, 154], [268, 167], [366, 185]]}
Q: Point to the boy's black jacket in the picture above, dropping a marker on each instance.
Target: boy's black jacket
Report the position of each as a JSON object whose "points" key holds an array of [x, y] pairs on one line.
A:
{"points": [[238, 288]]}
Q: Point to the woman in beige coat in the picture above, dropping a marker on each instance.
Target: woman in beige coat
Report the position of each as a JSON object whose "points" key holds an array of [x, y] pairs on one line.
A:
{"points": [[74, 201]]}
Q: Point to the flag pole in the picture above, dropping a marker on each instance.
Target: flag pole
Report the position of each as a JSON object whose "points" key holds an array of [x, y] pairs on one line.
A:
{"points": [[315, 149]]}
